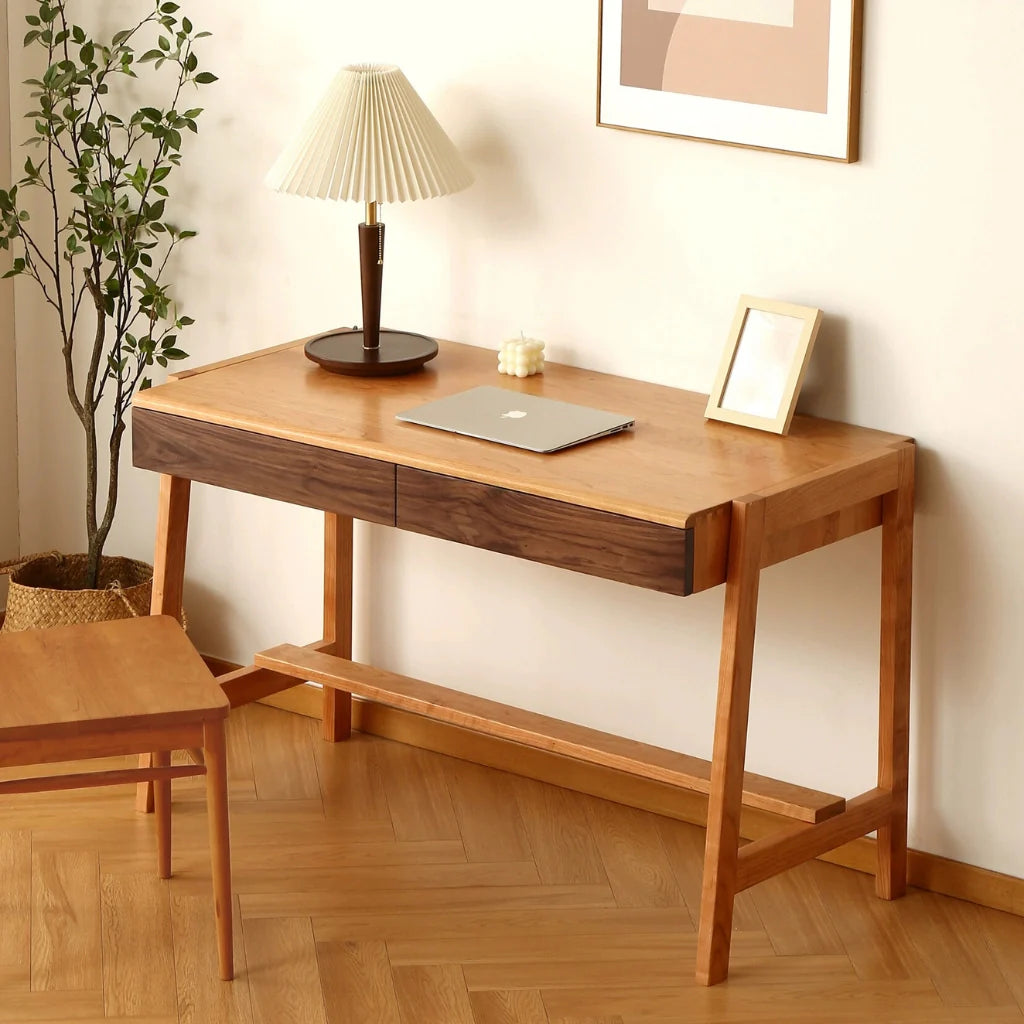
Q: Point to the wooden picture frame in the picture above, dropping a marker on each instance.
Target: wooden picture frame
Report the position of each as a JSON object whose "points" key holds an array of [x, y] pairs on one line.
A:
{"points": [[670, 67], [764, 363]]}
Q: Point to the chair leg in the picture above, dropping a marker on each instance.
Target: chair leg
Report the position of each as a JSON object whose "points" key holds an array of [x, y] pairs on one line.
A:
{"points": [[162, 806], [220, 847], [168, 577], [144, 803]]}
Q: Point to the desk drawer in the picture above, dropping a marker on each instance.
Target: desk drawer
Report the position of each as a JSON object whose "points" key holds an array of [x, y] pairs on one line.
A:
{"points": [[543, 530], [301, 474]]}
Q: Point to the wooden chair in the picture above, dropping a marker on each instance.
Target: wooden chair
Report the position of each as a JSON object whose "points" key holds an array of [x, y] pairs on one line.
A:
{"points": [[126, 687]]}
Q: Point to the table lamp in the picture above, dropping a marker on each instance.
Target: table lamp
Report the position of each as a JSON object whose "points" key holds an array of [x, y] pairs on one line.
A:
{"points": [[371, 139]]}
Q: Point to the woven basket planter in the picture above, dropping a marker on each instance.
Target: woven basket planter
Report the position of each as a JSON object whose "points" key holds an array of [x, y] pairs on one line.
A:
{"points": [[47, 590]]}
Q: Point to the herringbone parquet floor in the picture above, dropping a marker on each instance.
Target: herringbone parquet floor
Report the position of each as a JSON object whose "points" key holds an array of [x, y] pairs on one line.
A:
{"points": [[380, 884]]}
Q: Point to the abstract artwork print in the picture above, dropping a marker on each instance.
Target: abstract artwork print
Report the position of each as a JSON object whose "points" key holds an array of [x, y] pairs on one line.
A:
{"points": [[775, 74]]}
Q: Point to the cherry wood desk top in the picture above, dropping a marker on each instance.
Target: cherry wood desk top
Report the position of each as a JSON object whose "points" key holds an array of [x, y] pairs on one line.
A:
{"points": [[674, 469]]}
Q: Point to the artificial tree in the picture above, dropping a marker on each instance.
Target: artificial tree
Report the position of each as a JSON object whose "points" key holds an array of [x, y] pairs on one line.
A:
{"points": [[102, 168]]}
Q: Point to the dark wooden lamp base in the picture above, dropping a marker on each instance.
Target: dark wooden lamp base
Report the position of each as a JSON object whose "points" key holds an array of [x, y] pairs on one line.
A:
{"points": [[398, 352], [371, 351]]}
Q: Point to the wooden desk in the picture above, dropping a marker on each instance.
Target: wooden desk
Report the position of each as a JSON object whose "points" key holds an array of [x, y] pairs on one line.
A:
{"points": [[678, 505]]}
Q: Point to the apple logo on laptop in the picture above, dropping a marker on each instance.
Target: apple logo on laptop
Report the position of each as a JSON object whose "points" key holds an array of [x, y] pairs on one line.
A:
{"points": [[513, 414]]}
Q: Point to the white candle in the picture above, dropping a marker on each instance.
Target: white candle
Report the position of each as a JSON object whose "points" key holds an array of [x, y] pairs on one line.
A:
{"points": [[521, 357]]}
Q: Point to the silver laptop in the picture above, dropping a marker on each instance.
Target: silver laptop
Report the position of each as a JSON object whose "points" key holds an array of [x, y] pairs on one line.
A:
{"points": [[524, 421]]}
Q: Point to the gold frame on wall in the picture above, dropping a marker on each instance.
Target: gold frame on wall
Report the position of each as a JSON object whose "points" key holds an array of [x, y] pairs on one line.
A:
{"points": [[779, 423], [852, 111]]}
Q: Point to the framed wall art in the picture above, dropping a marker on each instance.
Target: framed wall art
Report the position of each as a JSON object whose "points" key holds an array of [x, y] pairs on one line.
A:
{"points": [[763, 364], [771, 74]]}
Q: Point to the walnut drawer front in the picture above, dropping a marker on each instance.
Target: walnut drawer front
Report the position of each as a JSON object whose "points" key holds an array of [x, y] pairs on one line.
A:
{"points": [[584, 540], [272, 467]]}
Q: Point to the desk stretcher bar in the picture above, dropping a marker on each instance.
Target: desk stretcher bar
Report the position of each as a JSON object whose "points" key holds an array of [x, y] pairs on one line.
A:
{"points": [[539, 731]]}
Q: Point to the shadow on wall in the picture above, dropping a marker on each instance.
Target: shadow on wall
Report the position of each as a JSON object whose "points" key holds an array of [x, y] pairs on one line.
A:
{"points": [[500, 199], [826, 387], [209, 616], [953, 653]]}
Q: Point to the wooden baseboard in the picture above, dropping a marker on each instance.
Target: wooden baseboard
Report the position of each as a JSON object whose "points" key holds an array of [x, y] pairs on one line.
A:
{"points": [[926, 870]]}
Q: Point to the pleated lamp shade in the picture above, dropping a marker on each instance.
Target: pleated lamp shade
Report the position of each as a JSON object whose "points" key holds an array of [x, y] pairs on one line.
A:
{"points": [[373, 140]]}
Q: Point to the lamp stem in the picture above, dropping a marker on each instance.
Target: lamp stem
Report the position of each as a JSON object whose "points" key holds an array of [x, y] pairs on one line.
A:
{"points": [[371, 272]]}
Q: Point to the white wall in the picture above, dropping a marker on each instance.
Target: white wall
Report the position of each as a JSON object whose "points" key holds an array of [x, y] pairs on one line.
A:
{"points": [[8, 407], [627, 253]]}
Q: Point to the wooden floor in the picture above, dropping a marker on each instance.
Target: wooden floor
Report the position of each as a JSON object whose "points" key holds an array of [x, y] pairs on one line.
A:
{"points": [[383, 884]]}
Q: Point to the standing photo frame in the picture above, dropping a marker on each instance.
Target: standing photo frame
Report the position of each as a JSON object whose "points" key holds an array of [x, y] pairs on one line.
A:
{"points": [[780, 75], [763, 364]]}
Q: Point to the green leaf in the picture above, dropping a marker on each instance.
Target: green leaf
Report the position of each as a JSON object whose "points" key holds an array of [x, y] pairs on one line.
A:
{"points": [[203, 35], [168, 8], [205, 78], [186, 24], [30, 37], [150, 55], [159, 173], [164, 43]]}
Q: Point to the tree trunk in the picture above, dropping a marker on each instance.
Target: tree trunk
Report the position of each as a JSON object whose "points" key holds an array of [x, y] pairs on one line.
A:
{"points": [[91, 482], [96, 536]]}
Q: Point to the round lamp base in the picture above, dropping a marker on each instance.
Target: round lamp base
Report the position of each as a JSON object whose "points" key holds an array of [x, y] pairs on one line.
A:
{"points": [[343, 352]]}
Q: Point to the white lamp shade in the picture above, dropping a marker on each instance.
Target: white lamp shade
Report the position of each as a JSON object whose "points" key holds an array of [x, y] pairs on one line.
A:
{"points": [[371, 139]]}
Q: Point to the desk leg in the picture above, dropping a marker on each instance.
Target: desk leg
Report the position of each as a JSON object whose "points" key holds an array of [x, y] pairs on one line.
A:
{"points": [[722, 849], [894, 677], [337, 714], [168, 579]]}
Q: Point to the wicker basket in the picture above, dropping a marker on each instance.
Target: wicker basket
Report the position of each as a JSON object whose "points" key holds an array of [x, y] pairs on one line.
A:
{"points": [[47, 590]]}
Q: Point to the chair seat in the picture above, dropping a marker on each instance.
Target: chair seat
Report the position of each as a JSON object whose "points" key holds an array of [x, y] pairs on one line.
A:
{"points": [[70, 681], [132, 686]]}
